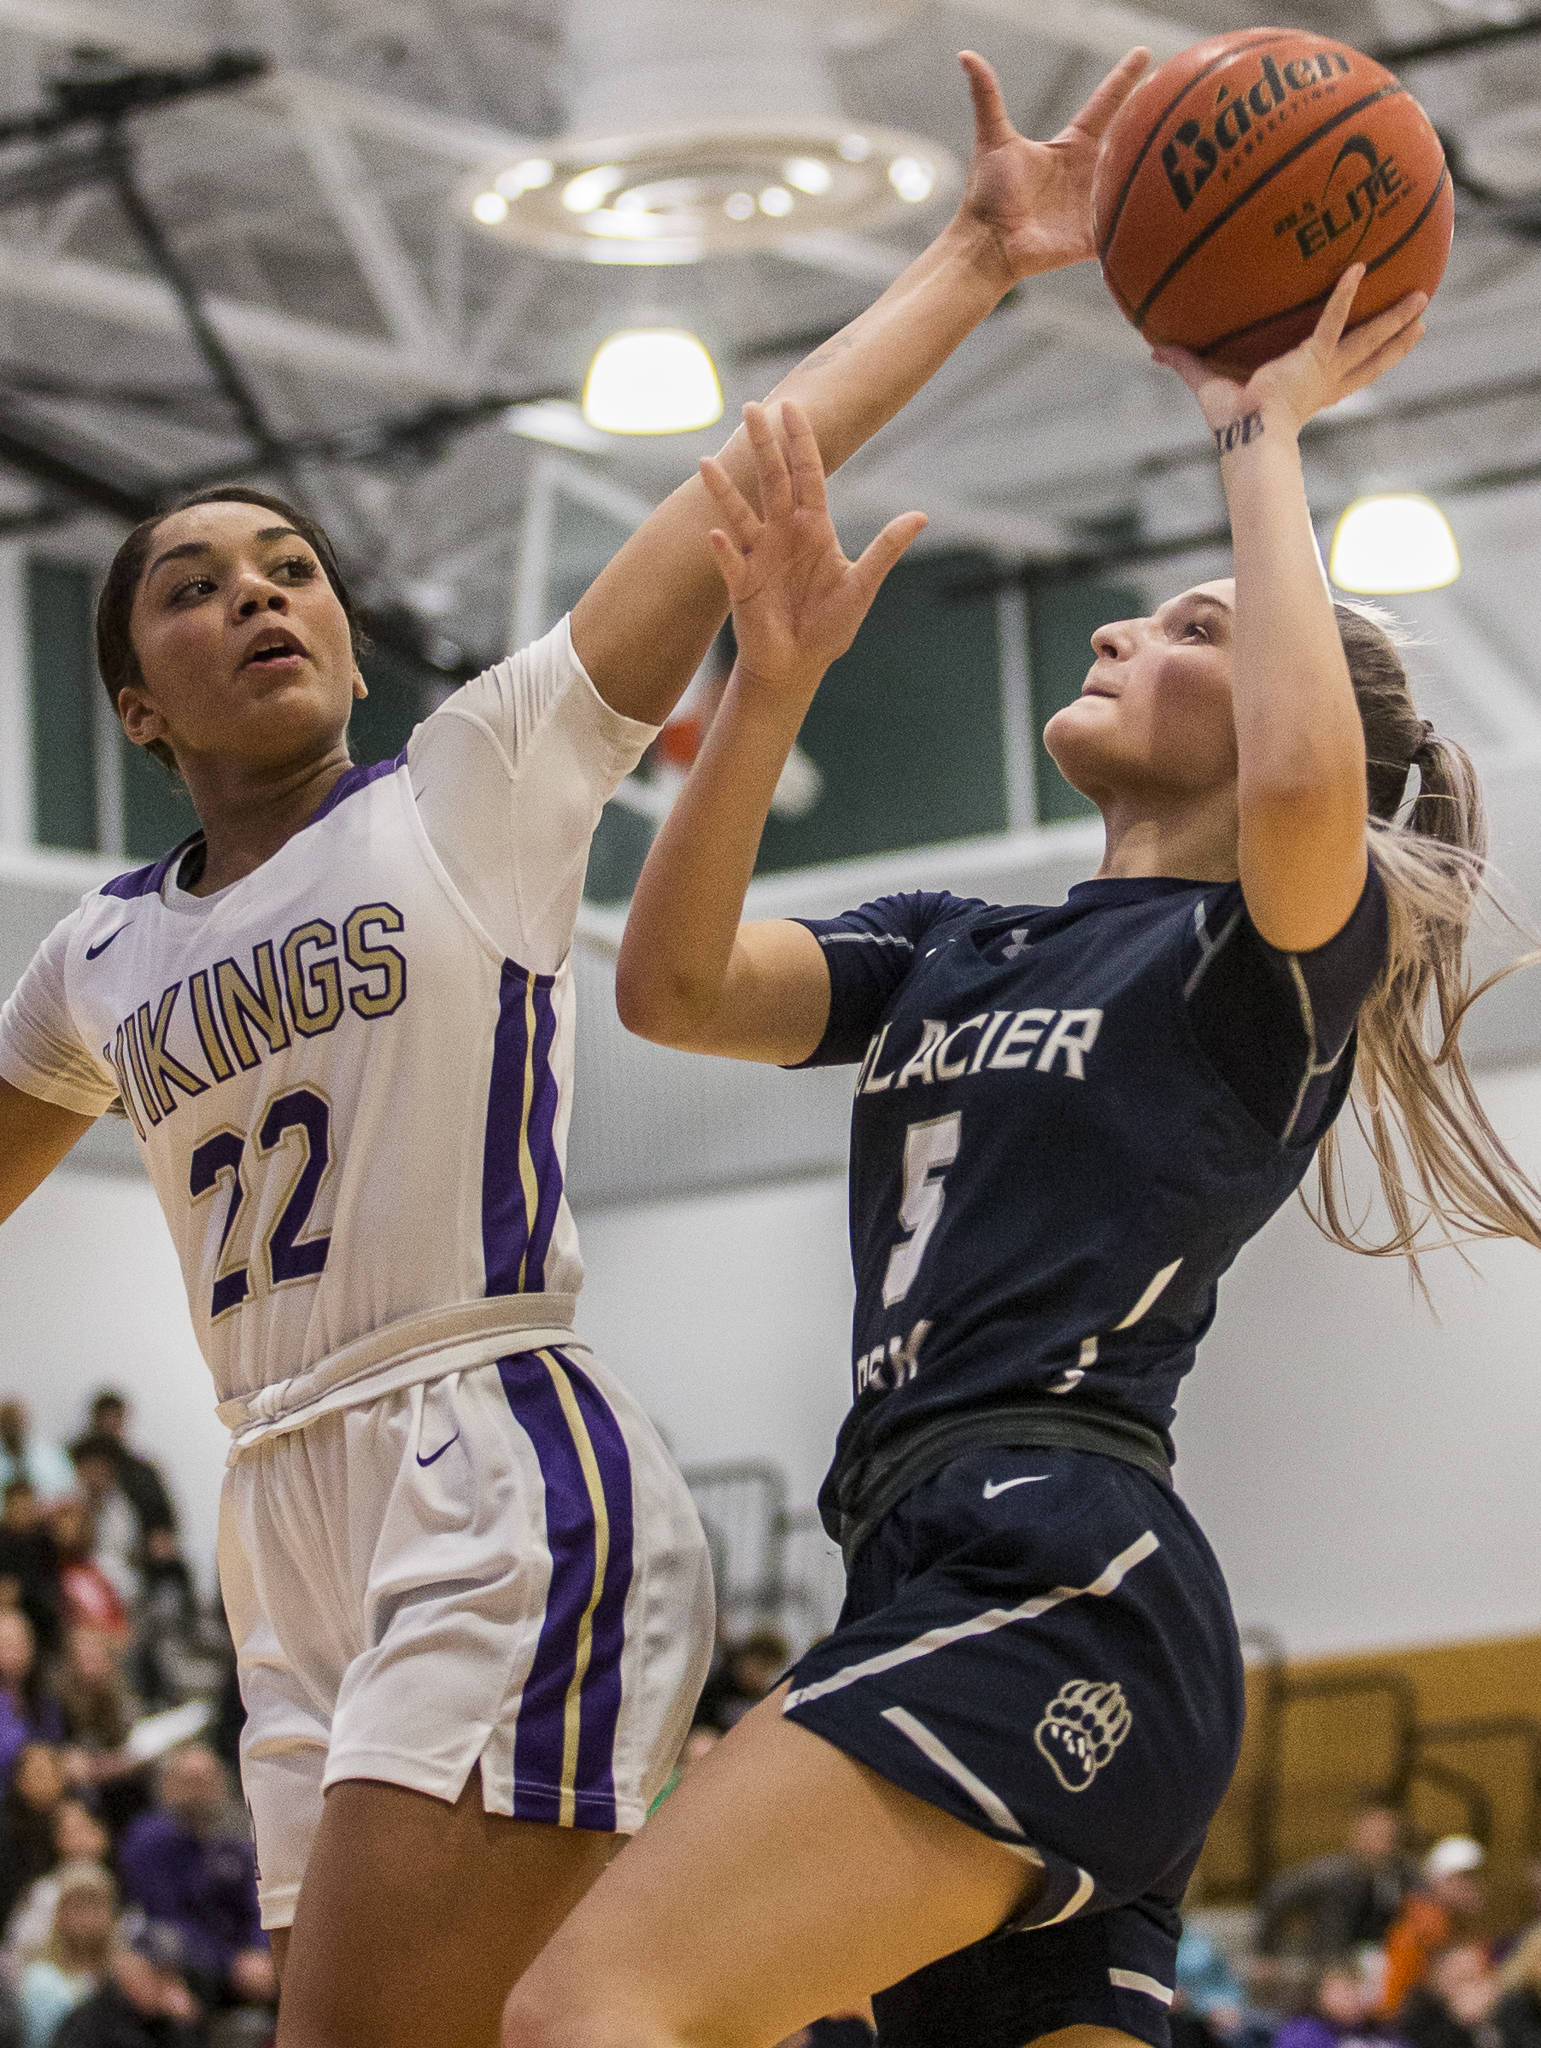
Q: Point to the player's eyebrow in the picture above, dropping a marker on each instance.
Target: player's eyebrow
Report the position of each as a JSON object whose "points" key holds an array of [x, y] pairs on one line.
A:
{"points": [[1192, 599], [188, 550]]}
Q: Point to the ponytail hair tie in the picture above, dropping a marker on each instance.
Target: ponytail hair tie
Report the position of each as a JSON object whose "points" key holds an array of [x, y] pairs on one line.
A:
{"points": [[1412, 789]]}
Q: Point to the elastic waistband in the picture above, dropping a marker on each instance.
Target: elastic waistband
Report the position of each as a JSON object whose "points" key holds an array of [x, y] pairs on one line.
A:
{"points": [[877, 1483], [405, 1353]]}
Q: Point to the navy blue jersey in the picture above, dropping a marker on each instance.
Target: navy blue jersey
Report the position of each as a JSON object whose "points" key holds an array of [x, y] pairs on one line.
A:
{"points": [[1067, 1123]]}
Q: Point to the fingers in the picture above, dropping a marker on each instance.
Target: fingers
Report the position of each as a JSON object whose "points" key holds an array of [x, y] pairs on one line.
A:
{"points": [[992, 124], [1335, 314], [1368, 340], [776, 501], [730, 562], [805, 463], [733, 508], [1395, 351], [876, 561], [1096, 116]]}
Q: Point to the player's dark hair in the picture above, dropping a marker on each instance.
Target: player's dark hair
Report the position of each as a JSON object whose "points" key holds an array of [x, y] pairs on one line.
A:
{"points": [[116, 657], [1445, 1173]]}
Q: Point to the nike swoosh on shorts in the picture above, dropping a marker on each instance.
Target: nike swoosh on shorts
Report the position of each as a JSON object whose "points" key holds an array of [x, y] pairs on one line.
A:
{"points": [[434, 1456], [995, 1486], [92, 952]]}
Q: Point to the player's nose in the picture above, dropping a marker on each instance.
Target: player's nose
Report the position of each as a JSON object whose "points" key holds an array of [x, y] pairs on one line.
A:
{"points": [[1116, 641]]}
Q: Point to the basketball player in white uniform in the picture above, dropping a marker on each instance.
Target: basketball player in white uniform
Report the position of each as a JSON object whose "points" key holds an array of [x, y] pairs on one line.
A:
{"points": [[468, 1590]]}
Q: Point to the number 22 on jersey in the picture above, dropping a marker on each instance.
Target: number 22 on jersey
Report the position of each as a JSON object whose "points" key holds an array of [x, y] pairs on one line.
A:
{"points": [[221, 1159]]}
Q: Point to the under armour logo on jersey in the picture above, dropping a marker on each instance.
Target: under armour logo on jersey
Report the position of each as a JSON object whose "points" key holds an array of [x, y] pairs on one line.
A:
{"points": [[1019, 945], [1084, 1724]]}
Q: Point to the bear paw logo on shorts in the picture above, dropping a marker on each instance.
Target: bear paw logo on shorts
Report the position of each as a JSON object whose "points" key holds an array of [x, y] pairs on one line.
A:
{"points": [[1084, 1724]]}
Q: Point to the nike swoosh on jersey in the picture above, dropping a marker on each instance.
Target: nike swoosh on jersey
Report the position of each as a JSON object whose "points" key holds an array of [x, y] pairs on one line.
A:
{"points": [[434, 1457], [995, 1486], [92, 952]]}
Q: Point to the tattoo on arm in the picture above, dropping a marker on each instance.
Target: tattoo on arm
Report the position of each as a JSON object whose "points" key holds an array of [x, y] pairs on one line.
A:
{"points": [[1240, 433]]}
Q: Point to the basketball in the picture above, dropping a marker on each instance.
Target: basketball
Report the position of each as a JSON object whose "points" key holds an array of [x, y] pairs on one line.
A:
{"points": [[1241, 180]]}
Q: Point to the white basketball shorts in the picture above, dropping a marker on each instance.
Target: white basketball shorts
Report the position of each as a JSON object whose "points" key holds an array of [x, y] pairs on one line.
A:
{"points": [[502, 1566]]}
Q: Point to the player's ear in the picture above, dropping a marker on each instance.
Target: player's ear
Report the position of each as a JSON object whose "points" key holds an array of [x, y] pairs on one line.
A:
{"points": [[140, 719], [360, 687]]}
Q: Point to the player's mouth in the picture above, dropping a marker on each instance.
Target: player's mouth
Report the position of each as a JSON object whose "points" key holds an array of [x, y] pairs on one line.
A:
{"points": [[276, 651], [1093, 687]]}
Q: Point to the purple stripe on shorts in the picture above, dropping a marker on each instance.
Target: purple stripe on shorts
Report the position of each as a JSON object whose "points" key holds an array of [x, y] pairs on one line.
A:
{"points": [[602, 1687], [505, 1226], [539, 1737], [542, 1138]]}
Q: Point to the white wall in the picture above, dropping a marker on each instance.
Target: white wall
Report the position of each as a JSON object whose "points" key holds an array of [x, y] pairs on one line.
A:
{"points": [[1368, 1474]]}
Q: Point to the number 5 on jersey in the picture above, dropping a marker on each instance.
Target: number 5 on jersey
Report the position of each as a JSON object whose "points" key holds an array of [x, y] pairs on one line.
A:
{"points": [[929, 1149]]}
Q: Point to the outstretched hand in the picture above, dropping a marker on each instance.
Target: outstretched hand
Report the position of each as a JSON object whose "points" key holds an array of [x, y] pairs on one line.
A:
{"points": [[1035, 198], [797, 601], [1327, 367]]}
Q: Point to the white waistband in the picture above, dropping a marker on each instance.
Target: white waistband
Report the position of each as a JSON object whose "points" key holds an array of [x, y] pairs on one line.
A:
{"points": [[401, 1354]]}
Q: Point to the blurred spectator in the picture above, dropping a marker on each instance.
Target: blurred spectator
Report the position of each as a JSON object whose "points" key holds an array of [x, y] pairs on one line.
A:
{"points": [[1454, 2006], [24, 1456], [1444, 1909], [28, 1710], [189, 1863], [117, 1547], [98, 1711], [1341, 2013], [76, 1955], [145, 2003], [745, 1672], [27, 1811], [1518, 2012], [1340, 1903], [78, 1838], [140, 1480], [89, 1597], [1206, 1985], [29, 1562]]}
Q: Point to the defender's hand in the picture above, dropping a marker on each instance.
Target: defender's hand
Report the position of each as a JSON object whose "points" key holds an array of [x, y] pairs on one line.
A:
{"points": [[1322, 370], [797, 601], [1035, 198]]}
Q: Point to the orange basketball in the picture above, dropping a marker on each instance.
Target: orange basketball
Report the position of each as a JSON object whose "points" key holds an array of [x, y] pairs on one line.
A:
{"points": [[1240, 181]]}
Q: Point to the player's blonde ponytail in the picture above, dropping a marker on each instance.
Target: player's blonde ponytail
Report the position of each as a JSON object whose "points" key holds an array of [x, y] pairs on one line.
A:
{"points": [[1445, 1173]]}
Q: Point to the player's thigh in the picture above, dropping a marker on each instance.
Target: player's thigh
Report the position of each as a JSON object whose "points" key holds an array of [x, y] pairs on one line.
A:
{"points": [[416, 1916], [782, 1881]]}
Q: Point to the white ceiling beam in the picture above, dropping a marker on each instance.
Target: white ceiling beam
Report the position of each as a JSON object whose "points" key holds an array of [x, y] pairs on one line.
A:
{"points": [[97, 291], [377, 248], [473, 144], [1105, 27]]}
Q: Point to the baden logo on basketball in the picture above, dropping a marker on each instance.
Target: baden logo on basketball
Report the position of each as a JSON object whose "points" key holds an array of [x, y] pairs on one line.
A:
{"points": [[1197, 150], [1083, 1725]]}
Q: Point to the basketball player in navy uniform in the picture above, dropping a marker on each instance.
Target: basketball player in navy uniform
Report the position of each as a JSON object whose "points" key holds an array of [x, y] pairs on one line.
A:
{"points": [[982, 1795], [469, 1593]]}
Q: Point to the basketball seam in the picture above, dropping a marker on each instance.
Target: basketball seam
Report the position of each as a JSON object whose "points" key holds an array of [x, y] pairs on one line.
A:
{"points": [[1239, 49], [1321, 298], [1227, 214]]}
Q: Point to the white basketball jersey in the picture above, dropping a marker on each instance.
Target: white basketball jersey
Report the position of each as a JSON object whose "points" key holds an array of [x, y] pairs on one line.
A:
{"points": [[350, 1072]]}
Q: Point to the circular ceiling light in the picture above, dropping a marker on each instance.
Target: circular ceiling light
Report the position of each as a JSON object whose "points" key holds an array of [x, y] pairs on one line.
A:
{"points": [[652, 380], [676, 196], [1393, 544]]}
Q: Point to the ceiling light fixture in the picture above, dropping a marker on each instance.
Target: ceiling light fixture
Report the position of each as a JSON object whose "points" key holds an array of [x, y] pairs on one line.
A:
{"points": [[681, 110], [1393, 543], [490, 208], [652, 380]]}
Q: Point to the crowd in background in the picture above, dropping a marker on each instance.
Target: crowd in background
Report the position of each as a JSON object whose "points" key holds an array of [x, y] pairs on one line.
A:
{"points": [[128, 1900], [128, 1894]]}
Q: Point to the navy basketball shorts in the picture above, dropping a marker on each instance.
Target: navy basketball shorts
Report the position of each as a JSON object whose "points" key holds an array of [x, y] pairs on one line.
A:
{"points": [[1040, 1642]]}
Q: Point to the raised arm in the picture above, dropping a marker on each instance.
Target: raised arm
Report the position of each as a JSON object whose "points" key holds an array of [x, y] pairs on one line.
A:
{"points": [[1301, 790], [34, 1137], [689, 974], [644, 625]]}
